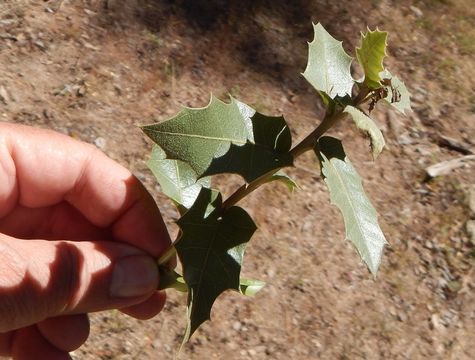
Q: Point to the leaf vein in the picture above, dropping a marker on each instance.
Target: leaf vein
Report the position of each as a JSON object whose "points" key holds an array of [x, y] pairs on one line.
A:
{"points": [[204, 137]]}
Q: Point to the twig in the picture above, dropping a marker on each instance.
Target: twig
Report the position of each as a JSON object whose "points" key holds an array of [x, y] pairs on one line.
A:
{"points": [[305, 145], [454, 144], [445, 167]]}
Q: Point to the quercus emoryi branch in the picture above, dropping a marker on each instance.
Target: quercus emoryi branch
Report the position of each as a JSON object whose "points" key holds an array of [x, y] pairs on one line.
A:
{"points": [[234, 138], [305, 145]]}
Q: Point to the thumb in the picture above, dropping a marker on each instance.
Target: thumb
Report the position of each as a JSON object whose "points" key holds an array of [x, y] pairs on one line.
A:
{"points": [[41, 279]]}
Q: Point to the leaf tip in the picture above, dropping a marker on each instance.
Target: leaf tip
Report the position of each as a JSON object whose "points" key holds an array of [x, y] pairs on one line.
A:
{"points": [[250, 287], [373, 266]]}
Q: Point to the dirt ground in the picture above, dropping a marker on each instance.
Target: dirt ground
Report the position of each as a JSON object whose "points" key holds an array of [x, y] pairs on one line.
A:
{"points": [[95, 69]]}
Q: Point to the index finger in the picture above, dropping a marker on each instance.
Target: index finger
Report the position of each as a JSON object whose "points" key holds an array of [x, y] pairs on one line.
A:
{"points": [[41, 168]]}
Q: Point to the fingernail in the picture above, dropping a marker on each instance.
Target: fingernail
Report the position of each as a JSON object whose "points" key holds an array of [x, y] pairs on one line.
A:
{"points": [[135, 275]]}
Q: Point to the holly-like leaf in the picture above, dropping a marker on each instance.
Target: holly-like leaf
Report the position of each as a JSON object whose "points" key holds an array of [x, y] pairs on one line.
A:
{"points": [[211, 250], [328, 66], [170, 279], [251, 287], [398, 95], [176, 178], [371, 54], [366, 124], [225, 138], [284, 179], [346, 192]]}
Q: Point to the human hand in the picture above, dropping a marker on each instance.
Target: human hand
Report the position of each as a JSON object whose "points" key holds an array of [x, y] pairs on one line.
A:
{"points": [[78, 233]]}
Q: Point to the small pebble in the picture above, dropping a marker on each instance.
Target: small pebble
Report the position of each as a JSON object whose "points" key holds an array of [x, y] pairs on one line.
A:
{"points": [[100, 142], [471, 200], [470, 226], [416, 11], [237, 326]]}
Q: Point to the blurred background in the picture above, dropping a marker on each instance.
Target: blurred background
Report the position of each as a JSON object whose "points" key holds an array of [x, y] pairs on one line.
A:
{"points": [[95, 69]]}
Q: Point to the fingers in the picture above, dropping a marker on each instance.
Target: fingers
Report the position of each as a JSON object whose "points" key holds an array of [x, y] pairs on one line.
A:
{"points": [[42, 279], [147, 309], [66, 333], [28, 343], [40, 168], [5, 343], [51, 339], [61, 221]]}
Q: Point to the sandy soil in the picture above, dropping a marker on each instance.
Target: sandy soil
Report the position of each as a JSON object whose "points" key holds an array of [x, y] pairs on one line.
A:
{"points": [[96, 69]]}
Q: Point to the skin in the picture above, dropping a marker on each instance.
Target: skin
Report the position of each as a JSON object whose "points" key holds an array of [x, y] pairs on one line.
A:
{"points": [[78, 233]]}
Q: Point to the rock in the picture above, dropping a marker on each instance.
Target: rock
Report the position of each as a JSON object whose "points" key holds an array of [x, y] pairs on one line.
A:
{"points": [[416, 11], [270, 272], [401, 316], [446, 167], [424, 151], [5, 22], [237, 326], [47, 114], [100, 142], [454, 286], [471, 201], [435, 322], [4, 97], [41, 45], [90, 12], [90, 46], [141, 176], [405, 139], [307, 225], [81, 90], [118, 90], [470, 226], [428, 245]]}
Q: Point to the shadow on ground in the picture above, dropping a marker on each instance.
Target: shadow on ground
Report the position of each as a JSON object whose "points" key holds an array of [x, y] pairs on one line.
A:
{"points": [[257, 33]]}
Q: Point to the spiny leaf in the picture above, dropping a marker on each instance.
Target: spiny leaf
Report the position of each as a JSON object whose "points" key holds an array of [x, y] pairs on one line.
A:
{"points": [[268, 151], [346, 192], [367, 125], [371, 54], [398, 95], [251, 287], [285, 179], [328, 66], [225, 138], [177, 179], [211, 250], [170, 279]]}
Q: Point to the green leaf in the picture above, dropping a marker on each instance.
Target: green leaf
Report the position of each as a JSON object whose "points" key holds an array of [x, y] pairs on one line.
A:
{"points": [[170, 279], [285, 179], [251, 287], [398, 95], [346, 192], [211, 250], [225, 138], [366, 124], [176, 178], [371, 54], [328, 66]]}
